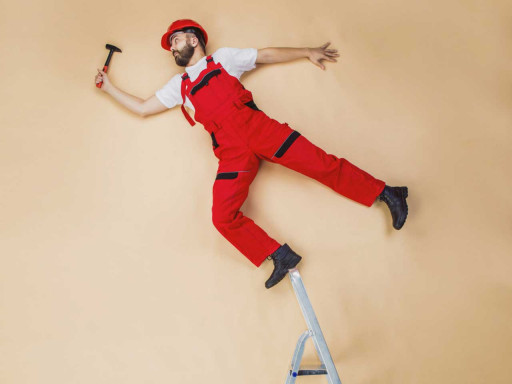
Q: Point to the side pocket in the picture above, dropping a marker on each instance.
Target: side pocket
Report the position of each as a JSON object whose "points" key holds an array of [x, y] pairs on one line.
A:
{"points": [[226, 175]]}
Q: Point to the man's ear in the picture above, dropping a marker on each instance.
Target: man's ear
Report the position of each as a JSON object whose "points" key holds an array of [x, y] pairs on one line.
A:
{"points": [[195, 41]]}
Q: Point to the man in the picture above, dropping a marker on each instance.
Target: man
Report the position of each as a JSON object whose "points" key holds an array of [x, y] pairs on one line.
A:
{"points": [[242, 135]]}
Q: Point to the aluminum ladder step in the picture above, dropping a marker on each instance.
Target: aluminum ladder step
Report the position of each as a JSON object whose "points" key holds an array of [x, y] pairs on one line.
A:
{"points": [[311, 371]]}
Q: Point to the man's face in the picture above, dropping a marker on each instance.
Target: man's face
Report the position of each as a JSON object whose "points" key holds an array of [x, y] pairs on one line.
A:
{"points": [[182, 48]]}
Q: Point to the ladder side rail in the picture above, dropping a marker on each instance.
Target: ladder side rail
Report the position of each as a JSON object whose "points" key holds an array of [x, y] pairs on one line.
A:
{"points": [[314, 327], [297, 358]]}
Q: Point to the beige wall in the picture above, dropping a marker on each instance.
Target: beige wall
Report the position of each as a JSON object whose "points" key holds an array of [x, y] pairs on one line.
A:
{"points": [[111, 271]]}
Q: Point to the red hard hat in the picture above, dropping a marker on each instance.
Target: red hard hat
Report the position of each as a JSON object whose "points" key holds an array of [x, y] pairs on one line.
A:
{"points": [[179, 25]]}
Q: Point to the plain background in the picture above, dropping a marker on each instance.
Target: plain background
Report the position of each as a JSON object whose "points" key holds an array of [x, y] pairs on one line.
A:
{"points": [[111, 271]]}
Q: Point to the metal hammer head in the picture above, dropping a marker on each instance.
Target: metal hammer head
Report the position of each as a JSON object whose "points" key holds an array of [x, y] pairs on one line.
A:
{"points": [[112, 48]]}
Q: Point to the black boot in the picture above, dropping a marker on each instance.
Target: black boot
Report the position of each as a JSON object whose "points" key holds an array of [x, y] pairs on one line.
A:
{"points": [[395, 197], [284, 259]]}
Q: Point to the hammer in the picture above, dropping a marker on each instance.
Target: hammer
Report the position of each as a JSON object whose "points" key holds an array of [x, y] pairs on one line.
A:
{"points": [[112, 49]]}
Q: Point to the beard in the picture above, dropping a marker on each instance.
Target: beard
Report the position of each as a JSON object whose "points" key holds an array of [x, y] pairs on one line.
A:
{"points": [[184, 55]]}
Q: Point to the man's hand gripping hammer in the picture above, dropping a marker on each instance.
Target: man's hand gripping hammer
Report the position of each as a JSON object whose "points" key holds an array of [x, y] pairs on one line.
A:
{"points": [[112, 49]]}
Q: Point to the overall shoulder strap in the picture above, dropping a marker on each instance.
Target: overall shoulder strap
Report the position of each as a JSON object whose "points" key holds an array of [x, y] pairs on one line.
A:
{"points": [[210, 64], [185, 79]]}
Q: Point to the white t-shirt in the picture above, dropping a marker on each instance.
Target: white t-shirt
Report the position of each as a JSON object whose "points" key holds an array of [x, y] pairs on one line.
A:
{"points": [[234, 60]]}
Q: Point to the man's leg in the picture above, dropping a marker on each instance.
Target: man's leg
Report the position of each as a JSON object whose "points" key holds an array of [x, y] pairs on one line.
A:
{"points": [[278, 143], [230, 190]]}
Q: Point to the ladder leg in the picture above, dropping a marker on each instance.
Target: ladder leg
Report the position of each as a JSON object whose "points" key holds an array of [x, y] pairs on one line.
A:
{"points": [[297, 358], [314, 327]]}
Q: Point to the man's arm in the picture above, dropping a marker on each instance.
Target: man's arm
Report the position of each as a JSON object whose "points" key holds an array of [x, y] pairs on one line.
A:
{"points": [[280, 55], [135, 104]]}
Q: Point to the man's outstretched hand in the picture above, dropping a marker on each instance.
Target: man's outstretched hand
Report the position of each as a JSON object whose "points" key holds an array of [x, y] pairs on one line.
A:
{"points": [[317, 55]]}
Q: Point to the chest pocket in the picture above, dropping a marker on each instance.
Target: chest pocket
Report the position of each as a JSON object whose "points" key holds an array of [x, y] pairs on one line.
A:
{"points": [[205, 80]]}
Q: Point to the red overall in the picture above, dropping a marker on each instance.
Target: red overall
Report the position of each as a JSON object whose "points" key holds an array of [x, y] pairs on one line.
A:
{"points": [[242, 136]]}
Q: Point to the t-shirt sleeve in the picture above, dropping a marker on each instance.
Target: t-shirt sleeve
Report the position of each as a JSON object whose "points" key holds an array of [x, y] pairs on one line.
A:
{"points": [[244, 59], [170, 94], [238, 60]]}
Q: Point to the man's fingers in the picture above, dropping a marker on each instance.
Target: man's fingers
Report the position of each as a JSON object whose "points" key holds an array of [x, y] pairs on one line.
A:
{"points": [[319, 64], [101, 77], [325, 45], [329, 56]]}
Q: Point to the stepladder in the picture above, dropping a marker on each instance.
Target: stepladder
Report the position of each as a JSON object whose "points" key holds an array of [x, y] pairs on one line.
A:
{"points": [[314, 332]]}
